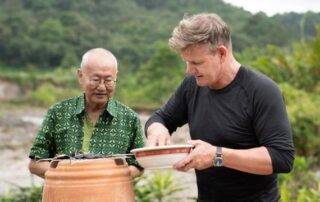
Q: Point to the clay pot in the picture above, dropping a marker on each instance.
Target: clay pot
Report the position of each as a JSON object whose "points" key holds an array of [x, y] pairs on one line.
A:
{"points": [[90, 180]]}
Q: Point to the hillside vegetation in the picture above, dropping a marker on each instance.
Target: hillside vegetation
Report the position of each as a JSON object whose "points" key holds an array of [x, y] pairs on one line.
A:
{"points": [[41, 43]]}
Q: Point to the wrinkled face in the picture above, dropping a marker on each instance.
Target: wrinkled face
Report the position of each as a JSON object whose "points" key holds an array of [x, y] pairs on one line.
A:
{"points": [[98, 83], [205, 65]]}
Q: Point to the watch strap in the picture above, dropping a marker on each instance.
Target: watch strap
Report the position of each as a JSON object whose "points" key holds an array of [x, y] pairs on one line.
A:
{"points": [[218, 159], [219, 151]]}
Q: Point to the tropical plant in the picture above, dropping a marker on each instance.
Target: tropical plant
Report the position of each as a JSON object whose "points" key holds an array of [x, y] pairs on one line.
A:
{"points": [[158, 186]]}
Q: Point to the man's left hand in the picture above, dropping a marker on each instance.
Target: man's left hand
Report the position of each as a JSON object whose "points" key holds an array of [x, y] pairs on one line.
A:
{"points": [[201, 157]]}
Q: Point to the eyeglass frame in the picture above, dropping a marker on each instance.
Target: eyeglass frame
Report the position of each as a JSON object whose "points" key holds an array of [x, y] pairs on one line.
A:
{"points": [[107, 82]]}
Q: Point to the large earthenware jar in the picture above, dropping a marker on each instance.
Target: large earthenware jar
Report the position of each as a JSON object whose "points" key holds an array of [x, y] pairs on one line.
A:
{"points": [[90, 180]]}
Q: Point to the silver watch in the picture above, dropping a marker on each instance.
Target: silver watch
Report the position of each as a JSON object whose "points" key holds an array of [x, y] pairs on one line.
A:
{"points": [[218, 159]]}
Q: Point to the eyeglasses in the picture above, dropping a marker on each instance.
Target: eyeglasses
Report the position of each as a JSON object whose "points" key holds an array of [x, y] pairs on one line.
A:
{"points": [[95, 82]]}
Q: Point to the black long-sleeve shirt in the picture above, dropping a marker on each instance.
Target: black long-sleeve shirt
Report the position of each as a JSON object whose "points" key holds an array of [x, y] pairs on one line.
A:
{"points": [[249, 112]]}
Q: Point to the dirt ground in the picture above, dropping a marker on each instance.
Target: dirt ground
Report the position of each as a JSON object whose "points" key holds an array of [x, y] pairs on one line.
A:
{"points": [[18, 127]]}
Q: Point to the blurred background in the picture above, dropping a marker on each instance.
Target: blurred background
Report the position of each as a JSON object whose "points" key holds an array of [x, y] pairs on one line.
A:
{"points": [[41, 43]]}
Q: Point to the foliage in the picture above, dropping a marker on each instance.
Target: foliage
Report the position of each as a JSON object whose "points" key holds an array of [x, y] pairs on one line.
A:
{"points": [[301, 184], [41, 42], [43, 88], [47, 94], [297, 65], [156, 80], [297, 71], [56, 33], [23, 194], [158, 186], [304, 115], [30, 79]]}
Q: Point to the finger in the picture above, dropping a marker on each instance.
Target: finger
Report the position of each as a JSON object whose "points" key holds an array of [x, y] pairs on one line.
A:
{"points": [[152, 141], [183, 162], [162, 140], [189, 160], [180, 167], [168, 140], [183, 169], [187, 167], [194, 142]]}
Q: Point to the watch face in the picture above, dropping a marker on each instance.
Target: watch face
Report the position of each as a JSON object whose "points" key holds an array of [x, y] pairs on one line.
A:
{"points": [[218, 162]]}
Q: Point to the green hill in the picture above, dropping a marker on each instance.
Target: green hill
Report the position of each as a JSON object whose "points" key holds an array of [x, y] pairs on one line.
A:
{"points": [[52, 33]]}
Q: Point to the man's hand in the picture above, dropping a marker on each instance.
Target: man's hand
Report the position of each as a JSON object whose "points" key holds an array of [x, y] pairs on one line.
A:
{"points": [[134, 172], [158, 135], [201, 157]]}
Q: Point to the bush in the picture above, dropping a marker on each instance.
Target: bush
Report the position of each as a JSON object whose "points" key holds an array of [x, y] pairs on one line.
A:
{"points": [[23, 194], [301, 184], [304, 115], [159, 186], [47, 94]]}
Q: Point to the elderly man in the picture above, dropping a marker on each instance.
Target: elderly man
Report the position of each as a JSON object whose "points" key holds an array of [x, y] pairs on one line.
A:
{"points": [[91, 123], [237, 117]]}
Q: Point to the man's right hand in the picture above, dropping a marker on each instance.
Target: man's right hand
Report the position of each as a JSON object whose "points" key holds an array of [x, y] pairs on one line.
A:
{"points": [[157, 135]]}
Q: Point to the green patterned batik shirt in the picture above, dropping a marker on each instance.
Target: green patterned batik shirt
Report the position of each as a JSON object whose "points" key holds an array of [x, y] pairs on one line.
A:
{"points": [[117, 131]]}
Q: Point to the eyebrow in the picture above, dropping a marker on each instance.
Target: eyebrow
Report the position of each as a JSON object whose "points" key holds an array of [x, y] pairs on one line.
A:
{"points": [[194, 61], [97, 75]]}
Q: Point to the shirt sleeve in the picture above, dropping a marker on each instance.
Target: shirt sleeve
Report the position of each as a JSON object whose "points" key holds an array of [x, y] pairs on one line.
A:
{"points": [[174, 113], [137, 142], [42, 146], [272, 126]]}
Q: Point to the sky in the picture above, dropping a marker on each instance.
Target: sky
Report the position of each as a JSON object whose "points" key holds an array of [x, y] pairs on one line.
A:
{"points": [[271, 7]]}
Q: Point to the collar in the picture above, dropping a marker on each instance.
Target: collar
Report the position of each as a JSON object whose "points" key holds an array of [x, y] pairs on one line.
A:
{"points": [[111, 107]]}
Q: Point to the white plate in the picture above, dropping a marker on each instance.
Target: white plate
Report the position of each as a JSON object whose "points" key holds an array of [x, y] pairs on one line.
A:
{"points": [[161, 156]]}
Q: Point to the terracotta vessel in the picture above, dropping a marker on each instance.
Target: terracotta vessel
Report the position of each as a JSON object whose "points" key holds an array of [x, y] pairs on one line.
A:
{"points": [[94, 180]]}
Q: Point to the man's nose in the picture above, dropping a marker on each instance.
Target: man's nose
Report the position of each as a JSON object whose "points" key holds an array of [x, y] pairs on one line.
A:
{"points": [[101, 86]]}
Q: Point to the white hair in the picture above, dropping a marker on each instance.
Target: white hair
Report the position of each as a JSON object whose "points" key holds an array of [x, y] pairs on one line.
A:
{"points": [[98, 51]]}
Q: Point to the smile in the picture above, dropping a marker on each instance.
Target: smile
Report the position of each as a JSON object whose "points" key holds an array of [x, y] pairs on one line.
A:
{"points": [[100, 94]]}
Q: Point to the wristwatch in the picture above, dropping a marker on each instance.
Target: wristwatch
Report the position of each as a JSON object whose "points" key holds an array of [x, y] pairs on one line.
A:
{"points": [[218, 159]]}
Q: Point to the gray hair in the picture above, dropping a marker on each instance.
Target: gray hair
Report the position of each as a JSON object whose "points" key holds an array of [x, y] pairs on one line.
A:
{"points": [[98, 51], [200, 28]]}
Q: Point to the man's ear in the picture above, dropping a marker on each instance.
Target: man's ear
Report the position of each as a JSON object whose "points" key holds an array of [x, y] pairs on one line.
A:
{"points": [[78, 71], [222, 51], [80, 75]]}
